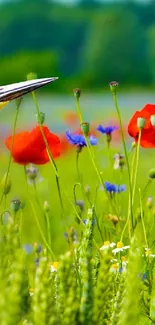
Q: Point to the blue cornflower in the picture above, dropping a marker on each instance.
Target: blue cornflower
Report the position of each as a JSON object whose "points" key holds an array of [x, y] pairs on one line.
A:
{"points": [[113, 188], [28, 248], [107, 130], [79, 140]]}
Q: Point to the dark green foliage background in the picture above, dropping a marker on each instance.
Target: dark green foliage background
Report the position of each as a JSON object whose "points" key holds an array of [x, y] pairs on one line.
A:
{"points": [[88, 44]]}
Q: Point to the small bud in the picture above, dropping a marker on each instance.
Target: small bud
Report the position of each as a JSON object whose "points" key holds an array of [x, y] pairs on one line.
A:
{"points": [[114, 219], [77, 92], [141, 122], [80, 204], [152, 119], [31, 76], [37, 248], [85, 127], [6, 184], [15, 205], [134, 144], [152, 173], [40, 118], [149, 203], [113, 86], [46, 206]]}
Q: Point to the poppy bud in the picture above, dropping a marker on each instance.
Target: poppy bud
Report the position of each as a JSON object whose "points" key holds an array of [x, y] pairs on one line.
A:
{"points": [[6, 183], [15, 205], [40, 118], [141, 122], [85, 128], [77, 92], [152, 173], [31, 76], [46, 206], [152, 119], [113, 86], [149, 202]]}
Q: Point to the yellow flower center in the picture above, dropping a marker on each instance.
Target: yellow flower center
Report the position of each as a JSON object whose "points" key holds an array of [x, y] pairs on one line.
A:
{"points": [[115, 266], [55, 265], [120, 244], [106, 243]]}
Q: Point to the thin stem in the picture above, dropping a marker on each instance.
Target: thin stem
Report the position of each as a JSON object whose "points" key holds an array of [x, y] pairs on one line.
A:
{"points": [[40, 230], [92, 156], [133, 161], [79, 110], [74, 190], [49, 153], [143, 224], [136, 167], [146, 188], [127, 160], [10, 157], [84, 194], [48, 228]]}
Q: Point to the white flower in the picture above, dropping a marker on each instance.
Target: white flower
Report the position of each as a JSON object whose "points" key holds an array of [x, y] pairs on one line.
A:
{"points": [[120, 249], [107, 245]]}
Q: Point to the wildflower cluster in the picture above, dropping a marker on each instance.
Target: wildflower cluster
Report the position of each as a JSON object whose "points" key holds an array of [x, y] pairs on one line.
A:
{"points": [[83, 259]]}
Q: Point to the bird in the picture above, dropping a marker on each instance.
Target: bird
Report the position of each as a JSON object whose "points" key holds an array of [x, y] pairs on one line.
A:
{"points": [[19, 89]]}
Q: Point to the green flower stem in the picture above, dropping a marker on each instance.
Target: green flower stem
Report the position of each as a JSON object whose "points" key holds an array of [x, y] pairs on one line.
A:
{"points": [[48, 229], [146, 188], [49, 153], [85, 196], [136, 167], [77, 215], [91, 154], [143, 224], [130, 214], [133, 161], [10, 157], [41, 232], [79, 110], [74, 190]]}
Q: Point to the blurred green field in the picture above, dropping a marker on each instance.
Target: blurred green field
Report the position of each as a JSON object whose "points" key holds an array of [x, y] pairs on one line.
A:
{"points": [[54, 108]]}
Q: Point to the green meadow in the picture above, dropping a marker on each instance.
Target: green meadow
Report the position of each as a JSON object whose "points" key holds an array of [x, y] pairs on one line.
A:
{"points": [[78, 254]]}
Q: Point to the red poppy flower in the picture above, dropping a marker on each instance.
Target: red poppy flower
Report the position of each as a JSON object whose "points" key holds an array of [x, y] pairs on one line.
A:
{"points": [[148, 132], [29, 147]]}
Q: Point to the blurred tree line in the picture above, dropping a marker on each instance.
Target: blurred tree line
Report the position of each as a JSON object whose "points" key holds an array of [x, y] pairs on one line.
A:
{"points": [[86, 45]]}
